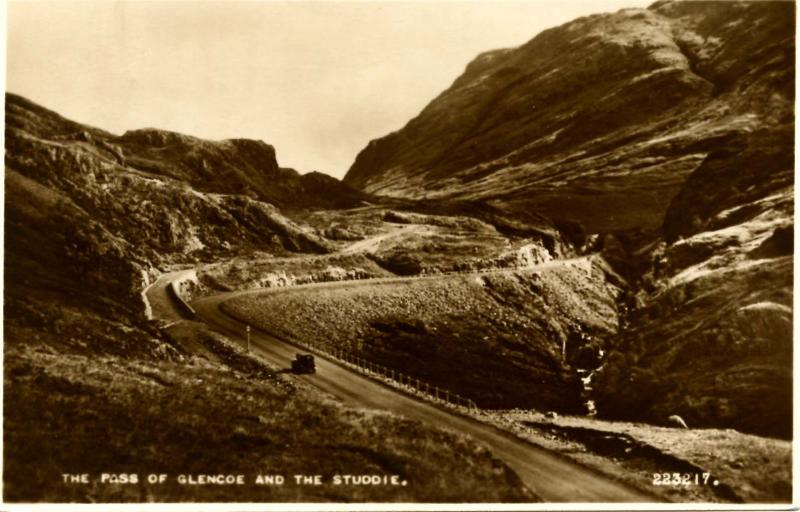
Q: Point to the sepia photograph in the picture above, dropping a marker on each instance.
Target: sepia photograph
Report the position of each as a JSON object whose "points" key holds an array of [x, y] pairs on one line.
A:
{"points": [[444, 254]]}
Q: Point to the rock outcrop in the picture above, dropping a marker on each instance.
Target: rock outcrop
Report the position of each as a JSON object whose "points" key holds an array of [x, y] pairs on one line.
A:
{"points": [[711, 335], [234, 166], [599, 120]]}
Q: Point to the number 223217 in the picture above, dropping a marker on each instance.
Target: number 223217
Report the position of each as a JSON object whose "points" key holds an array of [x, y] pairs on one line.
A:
{"points": [[682, 479]]}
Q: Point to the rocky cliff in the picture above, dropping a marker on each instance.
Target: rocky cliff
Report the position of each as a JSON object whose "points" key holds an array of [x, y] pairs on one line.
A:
{"points": [[599, 120], [235, 166], [709, 335]]}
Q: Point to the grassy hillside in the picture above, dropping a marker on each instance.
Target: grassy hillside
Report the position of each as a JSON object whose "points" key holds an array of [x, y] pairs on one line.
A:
{"points": [[747, 468], [94, 415], [495, 338]]}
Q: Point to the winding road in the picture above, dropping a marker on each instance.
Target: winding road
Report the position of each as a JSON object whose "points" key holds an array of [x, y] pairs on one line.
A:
{"points": [[551, 476]]}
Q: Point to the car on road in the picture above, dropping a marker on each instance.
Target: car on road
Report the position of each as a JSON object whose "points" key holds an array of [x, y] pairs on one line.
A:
{"points": [[304, 363]]}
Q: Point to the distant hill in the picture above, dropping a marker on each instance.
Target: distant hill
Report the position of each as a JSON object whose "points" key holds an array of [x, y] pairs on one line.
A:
{"points": [[234, 166]]}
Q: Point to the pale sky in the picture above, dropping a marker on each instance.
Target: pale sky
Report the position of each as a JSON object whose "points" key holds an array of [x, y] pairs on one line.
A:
{"points": [[315, 80]]}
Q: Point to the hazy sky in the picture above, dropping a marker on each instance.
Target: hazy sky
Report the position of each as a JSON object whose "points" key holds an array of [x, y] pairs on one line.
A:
{"points": [[316, 80]]}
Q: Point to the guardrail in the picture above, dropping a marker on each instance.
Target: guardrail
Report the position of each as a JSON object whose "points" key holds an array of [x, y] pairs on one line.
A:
{"points": [[389, 376], [411, 384]]}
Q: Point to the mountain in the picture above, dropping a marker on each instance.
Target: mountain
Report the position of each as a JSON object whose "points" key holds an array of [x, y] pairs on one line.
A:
{"points": [[88, 226], [597, 121], [669, 133]]}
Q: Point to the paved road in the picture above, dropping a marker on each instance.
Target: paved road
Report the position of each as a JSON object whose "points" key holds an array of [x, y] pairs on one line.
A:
{"points": [[580, 262], [551, 476], [161, 304]]}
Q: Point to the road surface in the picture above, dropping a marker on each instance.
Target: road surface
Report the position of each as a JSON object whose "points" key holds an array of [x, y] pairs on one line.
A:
{"points": [[161, 304], [551, 476]]}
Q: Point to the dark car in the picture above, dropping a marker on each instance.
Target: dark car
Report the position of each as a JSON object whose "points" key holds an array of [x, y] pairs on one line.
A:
{"points": [[304, 363]]}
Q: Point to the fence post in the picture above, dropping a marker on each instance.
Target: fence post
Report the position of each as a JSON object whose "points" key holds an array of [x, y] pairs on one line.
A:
{"points": [[437, 391], [447, 395]]}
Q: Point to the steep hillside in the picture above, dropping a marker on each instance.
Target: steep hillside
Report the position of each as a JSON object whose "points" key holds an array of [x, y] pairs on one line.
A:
{"points": [[85, 232], [599, 120], [710, 332], [668, 131]]}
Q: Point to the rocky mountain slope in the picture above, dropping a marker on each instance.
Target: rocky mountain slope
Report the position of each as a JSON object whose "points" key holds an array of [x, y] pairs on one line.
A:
{"points": [[668, 131], [599, 120], [83, 223], [709, 336], [515, 336], [233, 166]]}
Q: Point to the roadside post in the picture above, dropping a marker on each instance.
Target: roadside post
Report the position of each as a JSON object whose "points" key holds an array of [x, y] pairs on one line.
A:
{"points": [[248, 338]]}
